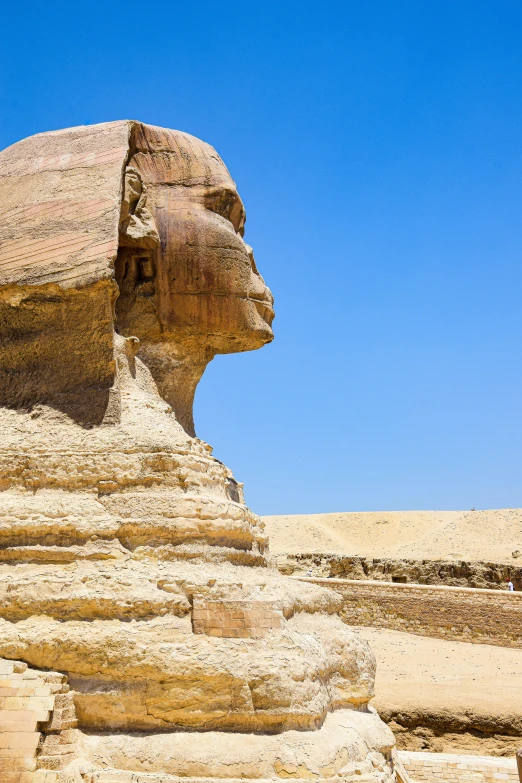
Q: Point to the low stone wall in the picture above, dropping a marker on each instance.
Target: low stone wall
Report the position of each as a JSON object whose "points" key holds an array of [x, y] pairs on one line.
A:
{"points": [[456, 613], [453, 768]]}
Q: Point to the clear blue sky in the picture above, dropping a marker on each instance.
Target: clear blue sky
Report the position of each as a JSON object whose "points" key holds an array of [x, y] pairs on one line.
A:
{"points": [[378, 149]]}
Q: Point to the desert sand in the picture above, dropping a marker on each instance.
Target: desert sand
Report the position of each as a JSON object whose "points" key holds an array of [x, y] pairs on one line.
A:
{"points": [[446, 696], [491, 535]]}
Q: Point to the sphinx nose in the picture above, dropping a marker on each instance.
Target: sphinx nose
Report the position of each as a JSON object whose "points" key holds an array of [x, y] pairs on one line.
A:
{"points": [[258, 288], [250, 253]]}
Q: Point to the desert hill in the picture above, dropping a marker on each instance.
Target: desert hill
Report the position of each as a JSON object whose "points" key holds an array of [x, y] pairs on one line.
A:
{"points": [[491, 535]]}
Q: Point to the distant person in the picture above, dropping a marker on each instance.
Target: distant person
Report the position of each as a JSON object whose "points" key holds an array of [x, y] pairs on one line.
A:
{"points": [[511, 587], [309, 572]]}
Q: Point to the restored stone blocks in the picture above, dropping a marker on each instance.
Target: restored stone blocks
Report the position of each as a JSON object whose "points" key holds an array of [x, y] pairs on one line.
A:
{"points": [[456, 768], [236, 619], [29, 698]]}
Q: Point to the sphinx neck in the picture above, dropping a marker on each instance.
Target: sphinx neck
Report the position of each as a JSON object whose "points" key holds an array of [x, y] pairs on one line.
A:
{"points": [[177, 371]]}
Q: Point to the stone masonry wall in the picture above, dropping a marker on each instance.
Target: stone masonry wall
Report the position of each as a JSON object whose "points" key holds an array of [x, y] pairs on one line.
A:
{"points": [[239, 619], [37, 720], [457, 613], [25, 701], [454, 768]]}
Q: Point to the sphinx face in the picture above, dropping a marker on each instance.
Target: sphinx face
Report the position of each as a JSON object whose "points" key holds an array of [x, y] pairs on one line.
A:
{"points": [[210, 287], [201, 279]]}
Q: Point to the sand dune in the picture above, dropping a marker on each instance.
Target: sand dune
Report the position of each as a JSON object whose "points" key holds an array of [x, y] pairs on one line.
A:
{"points": [[493, 534]]}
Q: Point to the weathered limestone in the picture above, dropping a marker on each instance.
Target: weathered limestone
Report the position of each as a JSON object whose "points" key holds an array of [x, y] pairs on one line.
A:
{"points": [[460, 573], [128, 560]]}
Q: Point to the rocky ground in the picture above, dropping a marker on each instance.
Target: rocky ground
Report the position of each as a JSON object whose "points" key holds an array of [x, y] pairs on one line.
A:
{"points": [[452, 573]]}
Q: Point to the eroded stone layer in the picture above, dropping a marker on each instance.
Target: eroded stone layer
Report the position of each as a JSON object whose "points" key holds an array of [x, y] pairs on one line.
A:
{"points": [[350, 745]]}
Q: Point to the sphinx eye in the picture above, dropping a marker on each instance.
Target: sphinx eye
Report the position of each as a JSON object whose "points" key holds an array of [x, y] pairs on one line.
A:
{"points": [[227, 204], [223, 204]]}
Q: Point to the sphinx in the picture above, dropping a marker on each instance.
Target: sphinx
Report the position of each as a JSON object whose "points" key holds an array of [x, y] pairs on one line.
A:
{"points": [[129, 561]]}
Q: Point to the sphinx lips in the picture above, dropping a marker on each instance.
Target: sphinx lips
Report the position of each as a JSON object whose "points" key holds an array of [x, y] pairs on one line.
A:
{"points": [[264, 308]]}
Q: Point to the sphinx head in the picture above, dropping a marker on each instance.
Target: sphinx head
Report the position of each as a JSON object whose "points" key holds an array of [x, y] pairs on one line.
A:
{"points": [[122, 228], [182, 249]]}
